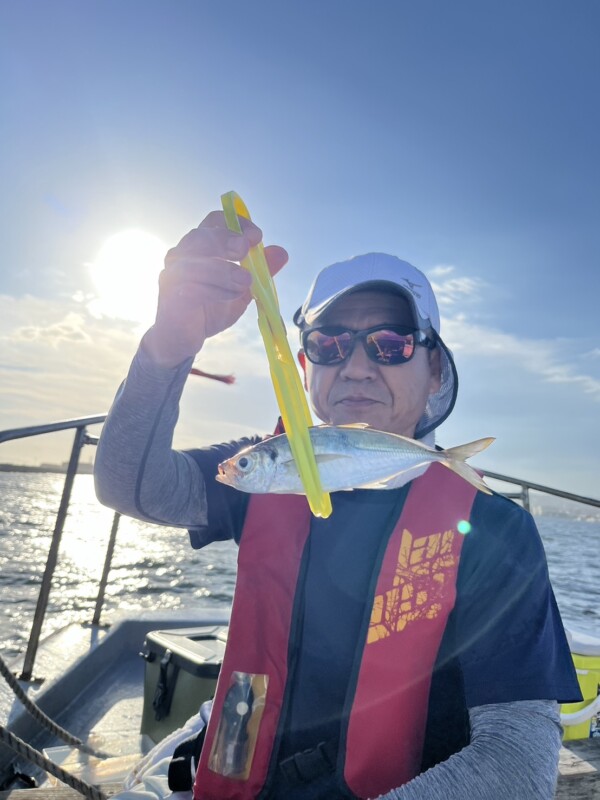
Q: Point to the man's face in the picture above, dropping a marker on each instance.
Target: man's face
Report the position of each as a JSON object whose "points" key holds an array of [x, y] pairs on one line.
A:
{"points": [[389, 398]]}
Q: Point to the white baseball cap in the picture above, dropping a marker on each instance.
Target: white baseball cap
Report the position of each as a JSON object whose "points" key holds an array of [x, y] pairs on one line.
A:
{"points": [[388, 273], [371, 271]]}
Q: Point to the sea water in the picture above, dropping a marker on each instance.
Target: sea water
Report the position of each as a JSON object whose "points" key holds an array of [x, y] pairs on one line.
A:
{"points": [[155, 568]]}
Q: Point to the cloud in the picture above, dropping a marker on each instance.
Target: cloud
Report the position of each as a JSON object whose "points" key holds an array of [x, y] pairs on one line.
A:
{"points": [[538, 397], [557, 373], [59, 361], [71, 328], [16, 368], [441, 270], [554, 361], [451, 289], [551, 360]]}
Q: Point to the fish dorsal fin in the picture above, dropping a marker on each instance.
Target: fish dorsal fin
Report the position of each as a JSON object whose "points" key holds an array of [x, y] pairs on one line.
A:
{"points": [[365, 426], [414, 442]]}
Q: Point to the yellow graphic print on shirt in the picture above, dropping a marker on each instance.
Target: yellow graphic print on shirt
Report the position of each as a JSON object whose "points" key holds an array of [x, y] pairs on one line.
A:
{"points": [[418, 586]]}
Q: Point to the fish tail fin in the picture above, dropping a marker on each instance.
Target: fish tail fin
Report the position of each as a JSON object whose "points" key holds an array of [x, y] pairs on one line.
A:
{"points": [[465, 451], [468, 474], [454, 459]]}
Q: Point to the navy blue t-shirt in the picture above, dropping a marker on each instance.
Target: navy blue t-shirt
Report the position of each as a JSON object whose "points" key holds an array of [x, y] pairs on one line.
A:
{"points": [[504, 640]]}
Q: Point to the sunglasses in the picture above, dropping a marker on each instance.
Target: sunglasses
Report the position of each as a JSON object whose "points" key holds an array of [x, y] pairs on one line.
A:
{"points": [[387, 345]]}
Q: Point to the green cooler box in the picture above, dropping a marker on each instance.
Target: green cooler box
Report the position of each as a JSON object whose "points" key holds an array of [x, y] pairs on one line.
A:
{"points": [[182, 666]]}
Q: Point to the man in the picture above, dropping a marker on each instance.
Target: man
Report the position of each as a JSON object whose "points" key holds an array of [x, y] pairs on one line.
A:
{"points": [[378, 652]]}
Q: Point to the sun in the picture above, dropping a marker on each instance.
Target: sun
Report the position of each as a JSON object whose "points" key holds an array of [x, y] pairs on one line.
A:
{"points": [[125, 276]]}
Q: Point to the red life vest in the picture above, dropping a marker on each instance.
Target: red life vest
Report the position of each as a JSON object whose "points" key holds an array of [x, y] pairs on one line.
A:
{"points": [[381, 745]]}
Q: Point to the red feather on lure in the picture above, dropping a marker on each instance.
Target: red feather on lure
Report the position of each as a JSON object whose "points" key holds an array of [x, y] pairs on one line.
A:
{"points": [[223, 378]]}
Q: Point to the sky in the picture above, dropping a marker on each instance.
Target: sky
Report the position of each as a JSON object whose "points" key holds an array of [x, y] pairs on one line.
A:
{"points": [[462, 137]]}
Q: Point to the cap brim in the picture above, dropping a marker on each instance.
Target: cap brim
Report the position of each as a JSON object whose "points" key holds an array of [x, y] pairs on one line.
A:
{"points": [[420, 321]]}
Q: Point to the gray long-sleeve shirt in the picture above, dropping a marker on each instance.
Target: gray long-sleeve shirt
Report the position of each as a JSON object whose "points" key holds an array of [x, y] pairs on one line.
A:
{"points": [[513, 752]]}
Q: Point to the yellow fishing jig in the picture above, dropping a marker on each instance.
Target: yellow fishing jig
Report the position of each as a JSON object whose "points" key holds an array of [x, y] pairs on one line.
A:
{"points": [[286, 381]]}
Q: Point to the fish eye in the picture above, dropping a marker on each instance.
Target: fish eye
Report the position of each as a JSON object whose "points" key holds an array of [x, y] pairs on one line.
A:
{"points": [[243, 462]]}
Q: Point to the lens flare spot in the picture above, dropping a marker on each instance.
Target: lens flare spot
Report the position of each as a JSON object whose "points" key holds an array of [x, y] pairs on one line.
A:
{"points": [[464, 527]]}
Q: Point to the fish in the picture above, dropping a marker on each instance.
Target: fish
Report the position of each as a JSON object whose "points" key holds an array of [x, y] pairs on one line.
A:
{"points": [[353, 456]]}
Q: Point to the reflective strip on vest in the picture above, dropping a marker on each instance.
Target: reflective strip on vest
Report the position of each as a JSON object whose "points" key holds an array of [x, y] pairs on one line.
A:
{"points": [[382, 740], [415, 593]]}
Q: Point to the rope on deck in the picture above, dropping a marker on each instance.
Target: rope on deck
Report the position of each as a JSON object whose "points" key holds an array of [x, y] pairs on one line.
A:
{"points": [[37, 758], [37, 713]]}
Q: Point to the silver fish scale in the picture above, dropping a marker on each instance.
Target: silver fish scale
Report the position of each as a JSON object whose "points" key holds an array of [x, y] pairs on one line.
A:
{"points": [[347, 458]]}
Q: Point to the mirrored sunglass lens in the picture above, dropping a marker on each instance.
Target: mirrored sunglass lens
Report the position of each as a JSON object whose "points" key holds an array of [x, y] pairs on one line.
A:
{"points": [[389, 347], [325, 349]]}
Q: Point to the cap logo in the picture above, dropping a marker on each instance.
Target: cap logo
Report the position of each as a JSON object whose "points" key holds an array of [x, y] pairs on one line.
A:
{"points": [[412, 286]]}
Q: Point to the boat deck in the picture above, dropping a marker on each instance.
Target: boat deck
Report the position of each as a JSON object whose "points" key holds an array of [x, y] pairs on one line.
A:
{"points": [[104, 694], [101, 693], [579, 778], [53, 793], [579, 771]]}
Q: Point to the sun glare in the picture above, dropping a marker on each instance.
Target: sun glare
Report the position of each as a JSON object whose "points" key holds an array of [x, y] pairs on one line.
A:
{"points": [[125, 275]]}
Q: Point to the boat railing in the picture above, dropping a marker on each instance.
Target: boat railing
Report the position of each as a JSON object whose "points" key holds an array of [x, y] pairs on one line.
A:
{"points": [[526, 486], [80, 425]]}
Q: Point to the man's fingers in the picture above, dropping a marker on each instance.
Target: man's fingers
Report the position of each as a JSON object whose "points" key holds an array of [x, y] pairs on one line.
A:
{"points": [[218, 242], [213, 219], [216, 220], [213, 238], [209, 275], [276, 257], [206, 259]]}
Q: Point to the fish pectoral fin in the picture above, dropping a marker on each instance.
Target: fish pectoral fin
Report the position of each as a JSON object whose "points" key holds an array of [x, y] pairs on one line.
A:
{"points": [[375, 485], [384, 483]]}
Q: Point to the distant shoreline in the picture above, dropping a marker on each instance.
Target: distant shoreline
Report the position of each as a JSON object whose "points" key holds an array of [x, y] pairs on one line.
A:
{"points": [[58, 469], [540, 505]]}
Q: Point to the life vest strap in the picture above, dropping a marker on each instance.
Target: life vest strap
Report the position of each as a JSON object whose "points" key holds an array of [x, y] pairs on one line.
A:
{"points": [[308, 765]]}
